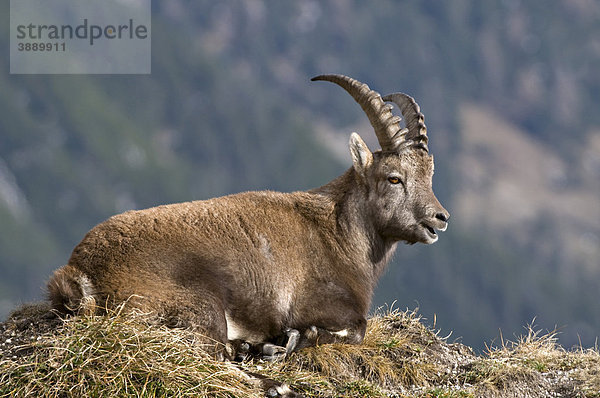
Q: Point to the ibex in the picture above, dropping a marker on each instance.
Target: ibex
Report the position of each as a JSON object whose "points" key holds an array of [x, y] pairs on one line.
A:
{"points": [[260, 266]]}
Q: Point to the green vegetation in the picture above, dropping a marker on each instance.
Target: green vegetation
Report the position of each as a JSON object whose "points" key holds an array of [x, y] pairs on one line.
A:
{"points": [[118, 355]]}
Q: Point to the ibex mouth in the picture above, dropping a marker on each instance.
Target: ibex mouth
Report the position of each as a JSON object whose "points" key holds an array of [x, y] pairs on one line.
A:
{"points": [[430, 233]]}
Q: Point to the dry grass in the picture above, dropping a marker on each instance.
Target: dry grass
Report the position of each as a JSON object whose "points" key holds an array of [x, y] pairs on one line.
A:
{"points": [[535, 362], [109, 356], [397, 351], [117, 355]]}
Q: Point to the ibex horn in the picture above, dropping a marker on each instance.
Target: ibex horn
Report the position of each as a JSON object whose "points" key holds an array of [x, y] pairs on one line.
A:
{"points": [[414, 119], [385, 124]]}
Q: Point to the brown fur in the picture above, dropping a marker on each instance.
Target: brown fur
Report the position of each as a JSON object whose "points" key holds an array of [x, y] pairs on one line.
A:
{"points": [[252, 265]]}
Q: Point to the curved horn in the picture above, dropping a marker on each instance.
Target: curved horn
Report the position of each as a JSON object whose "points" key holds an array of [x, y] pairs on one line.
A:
{"points": [[385, 124], [414, 119]]}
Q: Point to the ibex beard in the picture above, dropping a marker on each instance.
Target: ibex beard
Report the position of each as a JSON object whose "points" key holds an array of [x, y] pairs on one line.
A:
{"points": [[278, 271]]}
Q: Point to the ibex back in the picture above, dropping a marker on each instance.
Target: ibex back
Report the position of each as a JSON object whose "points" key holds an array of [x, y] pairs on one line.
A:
{"points": [[259, 266]]}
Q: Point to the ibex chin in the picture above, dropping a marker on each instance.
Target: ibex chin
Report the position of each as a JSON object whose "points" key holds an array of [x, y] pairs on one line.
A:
{"points": [[279, 271]]}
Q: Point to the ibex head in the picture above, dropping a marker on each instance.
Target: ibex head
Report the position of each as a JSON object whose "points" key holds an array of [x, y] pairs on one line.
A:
{"points": [[395, 181]]}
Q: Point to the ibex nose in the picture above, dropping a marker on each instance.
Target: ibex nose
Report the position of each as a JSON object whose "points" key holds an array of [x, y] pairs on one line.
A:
{"points": [[442, 216]]}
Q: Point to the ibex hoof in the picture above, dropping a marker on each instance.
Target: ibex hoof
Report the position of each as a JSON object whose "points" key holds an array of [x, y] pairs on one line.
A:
{"points": [[282, 391], [242, 352], [293, 337], [272, 352]]}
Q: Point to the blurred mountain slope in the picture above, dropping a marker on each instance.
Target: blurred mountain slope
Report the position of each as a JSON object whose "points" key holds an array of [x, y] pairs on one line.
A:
{"points": [[509, 90]]}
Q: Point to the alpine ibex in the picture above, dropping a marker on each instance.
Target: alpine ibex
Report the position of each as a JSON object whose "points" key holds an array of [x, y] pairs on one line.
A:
{"points": [[260, 266]]}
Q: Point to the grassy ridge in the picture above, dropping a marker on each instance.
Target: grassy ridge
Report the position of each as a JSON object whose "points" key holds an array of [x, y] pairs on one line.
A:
{"points": [[117, 355]]}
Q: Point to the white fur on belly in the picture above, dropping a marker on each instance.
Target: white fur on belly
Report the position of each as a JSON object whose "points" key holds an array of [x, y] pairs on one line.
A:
{"points": [[341, 333], [236, 331]]}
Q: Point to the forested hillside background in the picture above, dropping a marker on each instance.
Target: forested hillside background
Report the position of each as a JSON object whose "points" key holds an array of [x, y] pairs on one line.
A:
{"points": [[511, 95]]}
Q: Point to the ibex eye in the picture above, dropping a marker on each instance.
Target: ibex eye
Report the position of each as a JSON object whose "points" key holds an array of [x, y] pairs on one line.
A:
{"points": [[394, 180]]}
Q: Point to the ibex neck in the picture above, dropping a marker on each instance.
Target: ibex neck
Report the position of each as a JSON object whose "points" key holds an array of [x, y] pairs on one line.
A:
{"points": [[354, 225]]}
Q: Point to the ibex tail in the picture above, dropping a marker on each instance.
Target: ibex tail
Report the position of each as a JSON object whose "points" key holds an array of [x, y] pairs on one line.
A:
{"points": [[71, 292]]}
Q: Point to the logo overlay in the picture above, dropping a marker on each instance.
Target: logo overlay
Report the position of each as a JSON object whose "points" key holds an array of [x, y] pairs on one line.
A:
{"points": [[80, 36]]}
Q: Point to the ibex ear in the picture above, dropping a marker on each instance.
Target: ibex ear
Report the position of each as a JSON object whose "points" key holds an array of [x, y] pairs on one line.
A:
{"points": [[361, 155]]}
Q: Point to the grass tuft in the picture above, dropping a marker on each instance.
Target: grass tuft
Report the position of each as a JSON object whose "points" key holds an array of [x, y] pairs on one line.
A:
{"points": [[119, 355], [115, 355]]}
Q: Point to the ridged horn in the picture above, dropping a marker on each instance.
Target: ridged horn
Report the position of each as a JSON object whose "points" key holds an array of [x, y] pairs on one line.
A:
{"points": [[414, 119], [385, 124]]}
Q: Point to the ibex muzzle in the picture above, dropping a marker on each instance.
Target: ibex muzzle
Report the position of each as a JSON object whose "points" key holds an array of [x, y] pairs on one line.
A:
{"points": [[269, 268]]}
